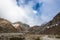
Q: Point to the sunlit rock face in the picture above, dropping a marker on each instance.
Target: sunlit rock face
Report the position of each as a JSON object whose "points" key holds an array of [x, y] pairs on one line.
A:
{"points": [[21, 27], [6, 26], [18, 26]]}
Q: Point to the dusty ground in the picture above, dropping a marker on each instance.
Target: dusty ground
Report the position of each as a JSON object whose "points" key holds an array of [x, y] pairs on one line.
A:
{"points": [[29, 36], [43, 37]]}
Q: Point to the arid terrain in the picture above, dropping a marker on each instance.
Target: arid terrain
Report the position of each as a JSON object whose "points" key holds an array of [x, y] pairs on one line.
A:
{"points": [[22, 31]]}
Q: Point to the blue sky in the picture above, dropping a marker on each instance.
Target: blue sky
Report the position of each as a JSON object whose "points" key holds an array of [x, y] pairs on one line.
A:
{"points": [[32, 12]]}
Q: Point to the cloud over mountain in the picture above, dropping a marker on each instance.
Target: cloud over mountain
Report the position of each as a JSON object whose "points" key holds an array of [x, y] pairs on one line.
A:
{"points": [[32, 12]]}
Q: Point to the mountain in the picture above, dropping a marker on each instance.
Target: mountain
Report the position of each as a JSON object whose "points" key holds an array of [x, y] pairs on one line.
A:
{"points": [[6, 26], [53, 26], [21, 27], [35, 29]]}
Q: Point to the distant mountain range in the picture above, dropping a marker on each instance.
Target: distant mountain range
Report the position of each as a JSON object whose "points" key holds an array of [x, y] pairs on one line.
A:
{"points": [[52, 27]]}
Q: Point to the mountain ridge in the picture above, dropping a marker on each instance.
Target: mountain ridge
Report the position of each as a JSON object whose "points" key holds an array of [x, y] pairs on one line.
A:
{"points": [[52, 27]]}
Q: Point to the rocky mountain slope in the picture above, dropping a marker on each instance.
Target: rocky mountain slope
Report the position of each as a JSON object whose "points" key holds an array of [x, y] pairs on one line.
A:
{"points": [[21, 27], [35, 29], [52, 27], [6, 26]]}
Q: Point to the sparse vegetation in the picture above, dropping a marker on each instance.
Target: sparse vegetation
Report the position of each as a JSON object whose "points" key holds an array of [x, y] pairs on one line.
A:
{"points": [[58, 36], [16, 38], [38, 38]]}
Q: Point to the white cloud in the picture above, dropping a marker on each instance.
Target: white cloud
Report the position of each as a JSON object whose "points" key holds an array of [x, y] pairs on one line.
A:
{"points": [[10, 11], [25, 13]]}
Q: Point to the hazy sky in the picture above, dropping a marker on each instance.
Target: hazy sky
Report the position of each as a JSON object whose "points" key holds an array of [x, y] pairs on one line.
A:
{"points": [[32, 12]]}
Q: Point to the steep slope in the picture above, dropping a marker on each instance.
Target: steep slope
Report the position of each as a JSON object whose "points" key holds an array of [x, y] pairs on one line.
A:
{"points": [[6, 26], [52, 27], [21, 26]]}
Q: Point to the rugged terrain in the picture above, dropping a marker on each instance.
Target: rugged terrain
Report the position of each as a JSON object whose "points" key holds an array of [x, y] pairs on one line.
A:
{"points": [[22, 31], [52, 27]]}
